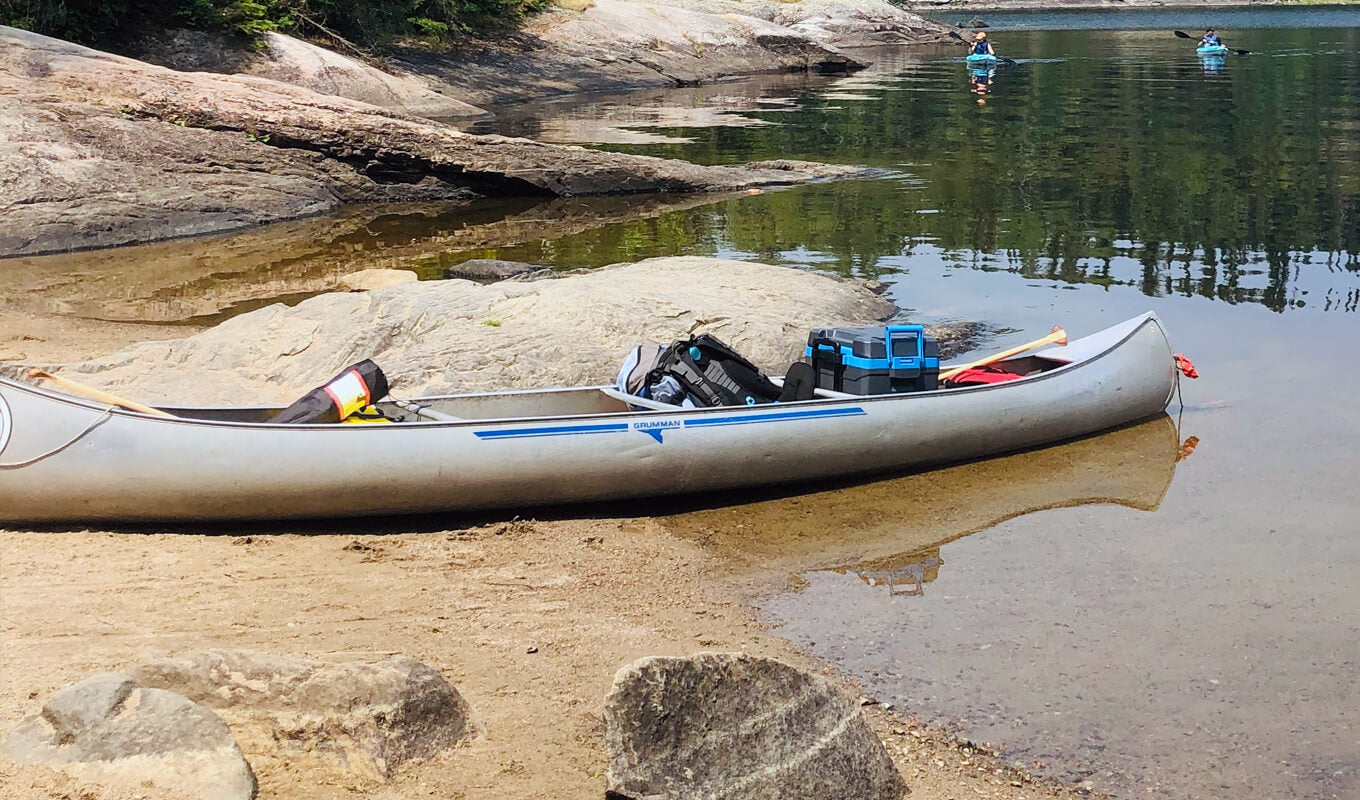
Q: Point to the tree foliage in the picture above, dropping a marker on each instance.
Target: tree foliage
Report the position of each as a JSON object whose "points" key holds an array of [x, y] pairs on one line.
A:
{"points": [[109, 23]]}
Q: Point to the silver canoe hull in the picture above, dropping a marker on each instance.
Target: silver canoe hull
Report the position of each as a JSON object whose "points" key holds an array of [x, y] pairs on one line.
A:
{"points": [[64, 459]]}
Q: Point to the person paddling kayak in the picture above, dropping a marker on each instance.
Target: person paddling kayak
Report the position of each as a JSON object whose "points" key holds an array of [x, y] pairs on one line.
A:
{"points": [[980, 46], [1210, 39]]}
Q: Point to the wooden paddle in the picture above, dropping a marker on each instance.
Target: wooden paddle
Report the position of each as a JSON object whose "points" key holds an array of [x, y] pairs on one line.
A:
{"points": [[1058, 336], [1184, 35], [95, 394]]}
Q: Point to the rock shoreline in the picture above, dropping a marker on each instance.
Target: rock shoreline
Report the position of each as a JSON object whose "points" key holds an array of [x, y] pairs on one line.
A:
{"points": [[590, 46], [99, 150]]}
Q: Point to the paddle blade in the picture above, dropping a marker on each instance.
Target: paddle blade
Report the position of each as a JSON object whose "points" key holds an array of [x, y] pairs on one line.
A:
{"points": [[1061, 335], [1182, 35], [95, 394]]}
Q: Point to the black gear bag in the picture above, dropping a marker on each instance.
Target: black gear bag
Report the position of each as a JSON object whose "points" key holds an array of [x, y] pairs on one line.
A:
{"points": [[713, 374]]}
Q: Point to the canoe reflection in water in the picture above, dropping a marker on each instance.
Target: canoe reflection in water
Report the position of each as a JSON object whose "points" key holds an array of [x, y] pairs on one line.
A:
{"points": [[890, 532]]}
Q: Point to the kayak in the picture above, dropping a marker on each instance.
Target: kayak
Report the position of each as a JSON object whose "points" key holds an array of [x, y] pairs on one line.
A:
{"points": [[69, 459], [1213, 50], [981, 58]]}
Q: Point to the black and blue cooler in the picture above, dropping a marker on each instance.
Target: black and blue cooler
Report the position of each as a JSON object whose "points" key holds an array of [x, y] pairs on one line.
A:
{"points": [[882, 360]]}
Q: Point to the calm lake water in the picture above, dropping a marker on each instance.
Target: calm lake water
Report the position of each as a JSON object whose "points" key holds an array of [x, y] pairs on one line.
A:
{"points": [[1150, 626], [1156, 621]]}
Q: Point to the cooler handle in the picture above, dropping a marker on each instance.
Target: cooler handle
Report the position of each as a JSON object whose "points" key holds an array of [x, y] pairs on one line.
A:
{"points": [[907, 362]]}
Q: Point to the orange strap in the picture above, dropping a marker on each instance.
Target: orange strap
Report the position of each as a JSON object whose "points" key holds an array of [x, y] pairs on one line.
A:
{"points": [[1186, 366]]}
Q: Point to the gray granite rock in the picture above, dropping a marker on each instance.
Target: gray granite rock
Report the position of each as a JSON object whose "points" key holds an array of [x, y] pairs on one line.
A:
{"points": [[732, 726], [108, 730], [488, 270], [439, 337], [368, 719]]}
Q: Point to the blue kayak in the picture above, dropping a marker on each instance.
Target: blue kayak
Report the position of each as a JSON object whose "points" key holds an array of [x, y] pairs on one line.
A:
{"points": [[986, 58], [1213, 50]]}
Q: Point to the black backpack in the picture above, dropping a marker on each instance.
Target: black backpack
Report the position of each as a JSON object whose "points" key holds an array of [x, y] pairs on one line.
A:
{"points": [[716, 375]]}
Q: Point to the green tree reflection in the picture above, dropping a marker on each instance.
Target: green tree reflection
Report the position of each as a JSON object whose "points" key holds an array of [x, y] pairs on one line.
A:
{"points": [[1206, 181]]}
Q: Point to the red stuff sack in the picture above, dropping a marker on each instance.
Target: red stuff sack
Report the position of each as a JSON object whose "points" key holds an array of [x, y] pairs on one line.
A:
{"points": [[982, 376]]}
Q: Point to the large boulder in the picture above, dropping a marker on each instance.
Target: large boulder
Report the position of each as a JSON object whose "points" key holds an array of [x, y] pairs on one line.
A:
{"points": [[367, 719], [110, 730], [459, 336], [720, 725]]}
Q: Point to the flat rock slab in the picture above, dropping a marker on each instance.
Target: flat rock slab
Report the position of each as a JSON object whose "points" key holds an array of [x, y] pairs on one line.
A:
{"points": [[730, 725], [437, 337], [367, 719], [111, 730]]}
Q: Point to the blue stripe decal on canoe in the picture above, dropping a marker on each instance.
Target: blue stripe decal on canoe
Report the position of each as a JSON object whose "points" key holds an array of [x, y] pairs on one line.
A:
{"points": [[568, 430], [753, 419], [655, 429]]}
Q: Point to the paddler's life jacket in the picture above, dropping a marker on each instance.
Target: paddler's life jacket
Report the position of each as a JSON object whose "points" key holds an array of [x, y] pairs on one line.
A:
{"points": [[980, 48], [1211, 40]]}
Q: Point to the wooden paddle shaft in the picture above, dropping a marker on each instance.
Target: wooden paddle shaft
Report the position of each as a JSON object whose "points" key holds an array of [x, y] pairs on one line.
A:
{"points": [[1058, 336], [96, 394]]}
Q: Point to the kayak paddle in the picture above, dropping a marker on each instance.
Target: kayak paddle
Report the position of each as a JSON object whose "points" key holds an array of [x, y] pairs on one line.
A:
{"points": [[1184, 35]]}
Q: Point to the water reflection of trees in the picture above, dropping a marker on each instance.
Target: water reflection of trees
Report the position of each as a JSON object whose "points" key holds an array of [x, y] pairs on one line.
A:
{"points": [[1089, 171]]}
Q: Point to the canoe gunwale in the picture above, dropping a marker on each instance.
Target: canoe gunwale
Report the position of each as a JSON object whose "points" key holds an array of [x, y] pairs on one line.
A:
{"points": [[1134, 325]]}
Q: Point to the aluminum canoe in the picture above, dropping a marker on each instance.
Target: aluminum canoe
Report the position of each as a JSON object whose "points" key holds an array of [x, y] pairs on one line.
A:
{"points": [[67, 459]]}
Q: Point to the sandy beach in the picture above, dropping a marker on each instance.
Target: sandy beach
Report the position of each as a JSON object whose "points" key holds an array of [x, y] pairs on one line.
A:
{"points": [[529, 619]]}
